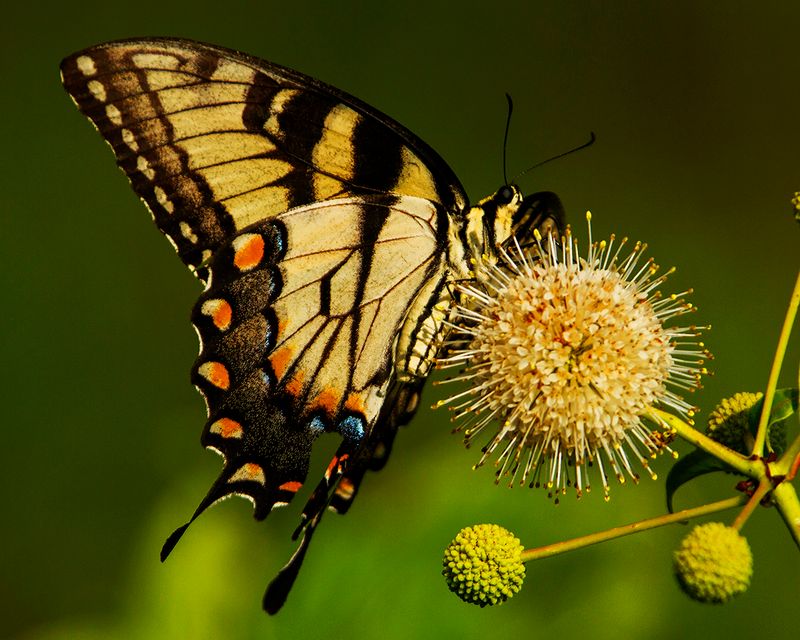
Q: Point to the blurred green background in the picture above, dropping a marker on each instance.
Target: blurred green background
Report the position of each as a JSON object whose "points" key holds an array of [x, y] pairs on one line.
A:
{"points": [[695, 108]]}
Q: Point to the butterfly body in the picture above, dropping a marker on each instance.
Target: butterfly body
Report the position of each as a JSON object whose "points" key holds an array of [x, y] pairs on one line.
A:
{"points": [[326, 236]]}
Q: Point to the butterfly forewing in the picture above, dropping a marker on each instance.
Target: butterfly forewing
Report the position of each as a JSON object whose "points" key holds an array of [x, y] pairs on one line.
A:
{"points": [[213, 140]]}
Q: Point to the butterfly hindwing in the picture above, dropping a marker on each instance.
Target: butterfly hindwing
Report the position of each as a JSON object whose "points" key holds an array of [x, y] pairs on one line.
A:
{"points": [[213, 140], [298, 332]]}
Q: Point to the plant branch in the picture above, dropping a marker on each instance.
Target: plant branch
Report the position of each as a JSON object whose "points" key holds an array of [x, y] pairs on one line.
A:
{"points": [[788, 462], [788, 505], [777, 363], [762, 490], [743, 465], [618, 532]]}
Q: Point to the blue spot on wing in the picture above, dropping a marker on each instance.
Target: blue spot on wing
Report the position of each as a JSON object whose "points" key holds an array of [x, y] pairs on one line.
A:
{"points": [[316, 425], [352, 428]]}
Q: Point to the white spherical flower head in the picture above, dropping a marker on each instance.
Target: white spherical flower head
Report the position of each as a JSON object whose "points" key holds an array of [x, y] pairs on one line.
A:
{"points": [[568, 353]]}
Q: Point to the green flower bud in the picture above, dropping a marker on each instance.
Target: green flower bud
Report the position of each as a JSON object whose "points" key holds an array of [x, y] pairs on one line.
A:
{"points": [[713, 563], [482, 565], [729, 424]]}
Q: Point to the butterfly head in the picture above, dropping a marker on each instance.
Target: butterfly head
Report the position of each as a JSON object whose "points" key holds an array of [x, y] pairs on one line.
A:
{"points": [[507, 213]]}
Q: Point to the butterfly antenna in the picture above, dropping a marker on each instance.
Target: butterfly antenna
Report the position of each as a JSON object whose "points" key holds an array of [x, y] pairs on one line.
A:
{"points": [[505, 136], [591, 141]]}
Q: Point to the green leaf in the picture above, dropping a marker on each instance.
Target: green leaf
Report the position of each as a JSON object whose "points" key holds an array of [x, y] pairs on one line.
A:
{"points": [[688, 467]]}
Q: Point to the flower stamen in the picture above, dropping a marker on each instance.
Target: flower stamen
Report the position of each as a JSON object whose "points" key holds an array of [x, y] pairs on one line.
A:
{"points": [[568, 353]]}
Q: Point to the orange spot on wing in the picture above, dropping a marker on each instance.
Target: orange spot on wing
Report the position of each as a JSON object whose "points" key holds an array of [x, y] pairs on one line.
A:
{"points": [[227, 428], [334, 461], [221, 315], [292, 486], [354, 402], [295, 385], [249, 472], [280, 361], [252, 469], [345, 488], [248, 251], [216, 374], [327, 400]]}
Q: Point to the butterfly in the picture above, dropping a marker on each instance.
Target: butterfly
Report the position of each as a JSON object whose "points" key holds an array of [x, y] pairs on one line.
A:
{"points": [[327, 237]]}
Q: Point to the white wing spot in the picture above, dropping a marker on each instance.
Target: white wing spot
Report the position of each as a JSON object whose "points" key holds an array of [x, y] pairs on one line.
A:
{"points": [[144, 166], [187, 232], [161, 198], [97, 89], [86, 65], [129, 139], [113, 114]]}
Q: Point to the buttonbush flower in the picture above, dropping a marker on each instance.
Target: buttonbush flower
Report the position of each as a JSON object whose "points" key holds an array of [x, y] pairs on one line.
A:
{"points": [[566, 353]]}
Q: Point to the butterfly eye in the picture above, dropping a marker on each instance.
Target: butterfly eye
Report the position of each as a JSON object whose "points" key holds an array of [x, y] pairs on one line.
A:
{"points": [[504, 195]]}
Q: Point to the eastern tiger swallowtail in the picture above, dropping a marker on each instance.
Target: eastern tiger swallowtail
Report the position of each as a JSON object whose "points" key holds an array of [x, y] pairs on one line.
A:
{"points": [[326, 236]]}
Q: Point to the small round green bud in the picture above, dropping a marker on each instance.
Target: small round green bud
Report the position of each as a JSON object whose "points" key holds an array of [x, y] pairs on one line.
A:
{"points": [[729, 425], [482, 565], [796, 205], [728, 422], [713, 563]]}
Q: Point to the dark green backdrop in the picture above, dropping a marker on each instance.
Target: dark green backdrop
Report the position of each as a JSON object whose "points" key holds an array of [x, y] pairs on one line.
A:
{"points": [[695, 109]]}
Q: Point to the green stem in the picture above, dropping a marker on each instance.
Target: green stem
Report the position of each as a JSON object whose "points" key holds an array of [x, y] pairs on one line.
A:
{"points": [[763, 489], [743, 465], [785, 499], [618, 532], [787, 464], [777, 363]]}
